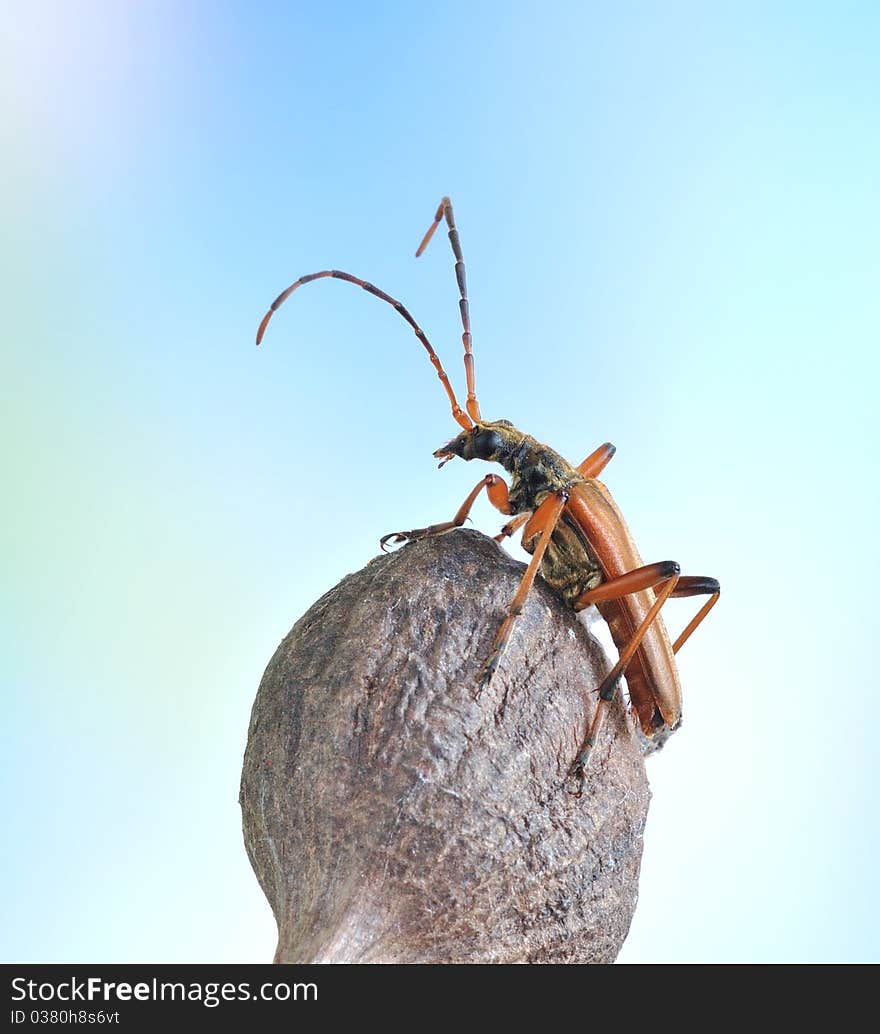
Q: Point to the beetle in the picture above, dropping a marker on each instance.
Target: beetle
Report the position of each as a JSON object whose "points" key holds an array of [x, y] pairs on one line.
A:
{"points": [[577, 537]]}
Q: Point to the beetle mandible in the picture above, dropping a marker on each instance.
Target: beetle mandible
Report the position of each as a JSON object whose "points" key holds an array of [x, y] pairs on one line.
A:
{"points": [[574, 531]]}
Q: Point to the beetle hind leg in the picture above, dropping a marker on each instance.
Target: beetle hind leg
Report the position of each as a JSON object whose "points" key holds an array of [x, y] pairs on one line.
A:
{"points": [[665, 573], [597, 461], [695, 585], [676, 586]]}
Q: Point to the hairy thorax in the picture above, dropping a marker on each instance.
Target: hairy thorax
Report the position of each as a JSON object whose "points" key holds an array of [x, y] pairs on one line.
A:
{"points": [[569, 565]]}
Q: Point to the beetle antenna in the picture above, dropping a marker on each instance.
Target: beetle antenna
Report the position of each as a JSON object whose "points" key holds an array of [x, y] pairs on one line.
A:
{"points": [[445, 209], [457, 412]]}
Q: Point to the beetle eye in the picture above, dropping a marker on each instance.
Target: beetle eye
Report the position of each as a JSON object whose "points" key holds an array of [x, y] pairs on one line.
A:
{"points": [[486, 444]]}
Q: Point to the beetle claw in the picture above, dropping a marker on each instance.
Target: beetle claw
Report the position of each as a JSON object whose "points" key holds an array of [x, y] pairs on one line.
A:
{"points": [[577, 772], [577, 775], [485, 676], [395, 538], [579, 768]]}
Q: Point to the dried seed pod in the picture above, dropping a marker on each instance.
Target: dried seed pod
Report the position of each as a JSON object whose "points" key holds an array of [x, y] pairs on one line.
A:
{"points": [[391, 817]]}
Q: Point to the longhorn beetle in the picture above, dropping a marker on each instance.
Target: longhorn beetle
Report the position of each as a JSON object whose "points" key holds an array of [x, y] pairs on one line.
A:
{"points": [[576, 535]]}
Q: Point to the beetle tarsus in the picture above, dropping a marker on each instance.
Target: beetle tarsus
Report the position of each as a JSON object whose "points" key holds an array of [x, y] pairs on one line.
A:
{"points": [[486, 674], [395, 538], [576, 774], [582, 760], [578, 770]]}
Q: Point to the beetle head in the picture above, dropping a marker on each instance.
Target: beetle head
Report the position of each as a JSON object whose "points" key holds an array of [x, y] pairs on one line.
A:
{"points": [[488, 440]]}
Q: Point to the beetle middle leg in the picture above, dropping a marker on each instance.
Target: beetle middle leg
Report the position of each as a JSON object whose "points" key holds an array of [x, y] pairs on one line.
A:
{"points": [[496, 489], [541, 523], [512, 526]]}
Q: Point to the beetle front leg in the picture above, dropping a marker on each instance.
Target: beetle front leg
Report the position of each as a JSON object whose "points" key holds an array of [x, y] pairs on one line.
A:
{"points": [[496, 489]]}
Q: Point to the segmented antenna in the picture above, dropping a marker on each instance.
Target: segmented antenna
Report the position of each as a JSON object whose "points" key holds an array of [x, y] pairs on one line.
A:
{"points": [[445, 209], [457, 412]]}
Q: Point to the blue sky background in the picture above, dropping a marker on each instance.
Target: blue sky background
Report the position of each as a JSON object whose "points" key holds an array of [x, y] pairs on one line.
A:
{"points": [[670, 219]]}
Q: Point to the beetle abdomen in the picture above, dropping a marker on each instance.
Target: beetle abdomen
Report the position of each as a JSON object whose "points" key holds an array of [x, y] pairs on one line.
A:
{"points": [[568, 565]]}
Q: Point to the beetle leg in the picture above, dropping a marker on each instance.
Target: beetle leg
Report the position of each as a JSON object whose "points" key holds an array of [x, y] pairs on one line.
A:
{"points": [[512, 526], [597, 461], [646, 577], [634, 581], [496, 489], [541, 523], [695, 585]]}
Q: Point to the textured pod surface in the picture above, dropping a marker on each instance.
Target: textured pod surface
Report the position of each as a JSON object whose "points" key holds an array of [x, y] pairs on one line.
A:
{"points": [[391, 817]]}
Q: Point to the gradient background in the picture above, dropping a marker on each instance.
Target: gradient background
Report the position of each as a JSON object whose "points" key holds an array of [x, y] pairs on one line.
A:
{"points": [[670, 218]]}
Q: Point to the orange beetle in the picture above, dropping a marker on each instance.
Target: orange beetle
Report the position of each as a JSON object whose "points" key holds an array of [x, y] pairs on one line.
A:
{"points": [[575, 533]]}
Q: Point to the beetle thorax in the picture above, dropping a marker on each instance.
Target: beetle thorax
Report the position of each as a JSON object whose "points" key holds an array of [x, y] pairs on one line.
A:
{"points": [[535, 468]]}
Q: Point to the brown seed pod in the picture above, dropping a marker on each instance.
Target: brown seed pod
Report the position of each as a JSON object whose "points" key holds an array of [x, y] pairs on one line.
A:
{"points": [[391, 817]]}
